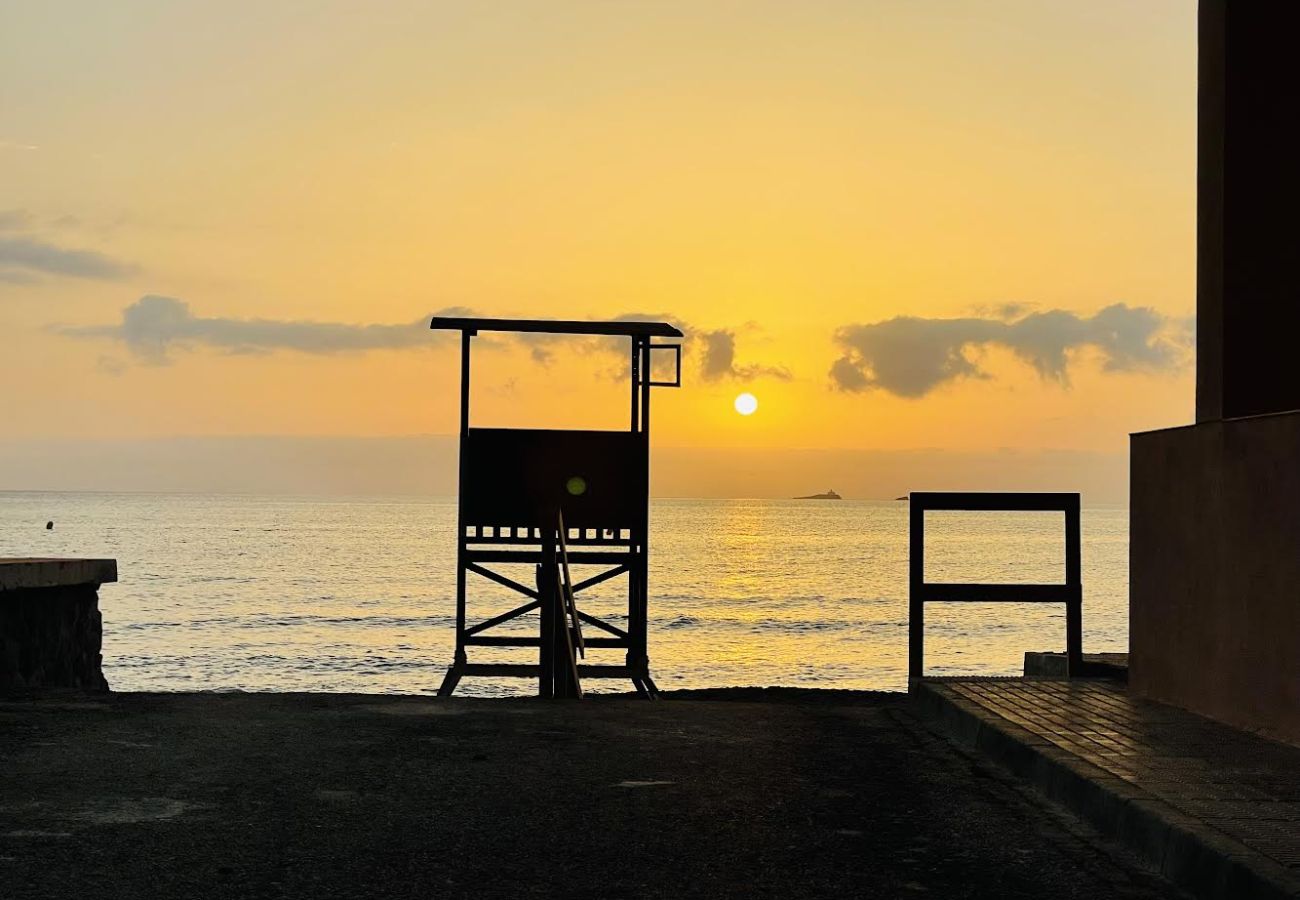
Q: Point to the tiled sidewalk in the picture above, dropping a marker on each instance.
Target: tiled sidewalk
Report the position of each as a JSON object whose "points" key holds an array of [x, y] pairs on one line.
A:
{"points": [[1218, 809]]}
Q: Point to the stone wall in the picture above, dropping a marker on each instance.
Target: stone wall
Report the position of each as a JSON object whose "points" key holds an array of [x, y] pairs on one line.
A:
{"points": [[1214, 562], [51, 631]]}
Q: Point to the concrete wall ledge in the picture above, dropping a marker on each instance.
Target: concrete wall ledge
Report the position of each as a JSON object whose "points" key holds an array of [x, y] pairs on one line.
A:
{"points": [[24, 573], [1052, 664], [51, 630]]}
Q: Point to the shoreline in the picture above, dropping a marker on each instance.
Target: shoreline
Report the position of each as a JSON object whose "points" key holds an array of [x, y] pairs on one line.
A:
{"points": [[734, 694]]}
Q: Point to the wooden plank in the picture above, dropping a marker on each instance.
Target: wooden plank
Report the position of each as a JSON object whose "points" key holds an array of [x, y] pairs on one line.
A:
{"points": [[568, 682], [526, 540], [566, 589], [511, 640], [504, 617], [528, 670], [502, 640], [584, 557], [603, 626], [603, 576], [501, 580], [555, 326], [501, 670]]}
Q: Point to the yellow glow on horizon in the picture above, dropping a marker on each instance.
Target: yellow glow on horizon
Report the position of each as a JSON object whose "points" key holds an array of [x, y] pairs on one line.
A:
{"points": [[766, 179]]}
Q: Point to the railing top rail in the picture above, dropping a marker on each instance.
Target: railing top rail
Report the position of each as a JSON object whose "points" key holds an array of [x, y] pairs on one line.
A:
{"points": [[994, 501]]}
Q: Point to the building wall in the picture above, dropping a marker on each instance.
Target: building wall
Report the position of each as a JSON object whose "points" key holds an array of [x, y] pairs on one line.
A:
{"points": [[1248, 197], [1215, 570]]}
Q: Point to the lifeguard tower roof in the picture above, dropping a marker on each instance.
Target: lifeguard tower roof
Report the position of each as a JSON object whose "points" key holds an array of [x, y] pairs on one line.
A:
{"points": [[557, 326]]}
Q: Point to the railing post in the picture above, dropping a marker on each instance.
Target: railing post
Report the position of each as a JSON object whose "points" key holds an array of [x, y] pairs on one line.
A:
{"points": [[915, 587], [1073, 578]]}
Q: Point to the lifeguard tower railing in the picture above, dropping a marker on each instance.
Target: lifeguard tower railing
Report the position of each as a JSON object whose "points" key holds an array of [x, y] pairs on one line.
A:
{"points": [[518, 485]]}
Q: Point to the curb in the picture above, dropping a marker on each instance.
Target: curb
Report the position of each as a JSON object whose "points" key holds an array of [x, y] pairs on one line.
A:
{"points": [[1186, 851]]}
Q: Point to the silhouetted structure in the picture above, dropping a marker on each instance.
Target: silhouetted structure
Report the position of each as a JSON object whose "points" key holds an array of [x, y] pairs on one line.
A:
{"points": [[920, 591], [51, 630], [1215, 506], [829, 495], [528, 495]]}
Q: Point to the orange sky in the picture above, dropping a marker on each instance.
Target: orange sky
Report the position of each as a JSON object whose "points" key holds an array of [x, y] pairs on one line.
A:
{"points": [[774, 171]]}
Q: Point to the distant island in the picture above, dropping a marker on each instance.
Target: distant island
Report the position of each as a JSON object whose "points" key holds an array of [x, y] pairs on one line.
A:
{"points": [[829, 495]]}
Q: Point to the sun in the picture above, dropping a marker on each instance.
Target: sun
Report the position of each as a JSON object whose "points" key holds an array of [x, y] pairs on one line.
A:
{"points": [[746, 404]]}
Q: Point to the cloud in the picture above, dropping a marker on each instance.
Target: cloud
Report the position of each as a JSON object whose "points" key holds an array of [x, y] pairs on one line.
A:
{"points": [[909, 356], [542, 347], [14, 219], [538, 346], [24, 256], [1004, 311], [29, 253], [153, 325], [670, 318], [718, 359], [715, 349]]}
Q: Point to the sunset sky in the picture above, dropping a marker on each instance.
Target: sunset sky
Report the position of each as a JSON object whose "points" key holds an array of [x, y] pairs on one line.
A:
{"points": [[961, 227]]}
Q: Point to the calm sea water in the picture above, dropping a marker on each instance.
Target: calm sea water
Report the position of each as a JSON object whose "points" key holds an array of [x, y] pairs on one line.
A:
{"points": [[317, 594]]}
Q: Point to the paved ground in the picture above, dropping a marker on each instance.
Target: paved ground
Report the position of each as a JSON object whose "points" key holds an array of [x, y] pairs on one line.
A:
{"points": [[1245, 786], [1233, 793], [810, 795]]}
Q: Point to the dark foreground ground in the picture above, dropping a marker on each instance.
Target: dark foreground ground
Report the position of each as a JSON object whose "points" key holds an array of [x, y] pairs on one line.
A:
{"points": [[760, 794]]}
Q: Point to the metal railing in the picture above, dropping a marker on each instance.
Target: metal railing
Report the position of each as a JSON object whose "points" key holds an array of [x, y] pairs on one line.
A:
{"points": [[921, 592]]}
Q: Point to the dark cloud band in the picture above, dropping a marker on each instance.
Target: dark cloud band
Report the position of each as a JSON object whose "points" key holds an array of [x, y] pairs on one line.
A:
{"points": [[152, 325], [909, 356], [28, 254], [23, 257], [718, 359]]}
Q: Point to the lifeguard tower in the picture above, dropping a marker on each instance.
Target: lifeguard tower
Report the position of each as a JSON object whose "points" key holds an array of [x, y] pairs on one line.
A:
{"points": [[548, 498]]}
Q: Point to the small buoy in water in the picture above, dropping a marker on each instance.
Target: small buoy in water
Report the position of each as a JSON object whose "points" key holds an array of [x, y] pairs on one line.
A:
{"points": [[49, 526]]}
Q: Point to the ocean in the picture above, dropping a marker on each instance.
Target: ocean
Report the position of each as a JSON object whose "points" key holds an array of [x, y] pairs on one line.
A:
{"points": [[257, 593]]}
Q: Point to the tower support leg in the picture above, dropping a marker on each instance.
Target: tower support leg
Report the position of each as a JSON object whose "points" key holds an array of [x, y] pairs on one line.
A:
{"points": [[546, 661], [453, 676]]}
